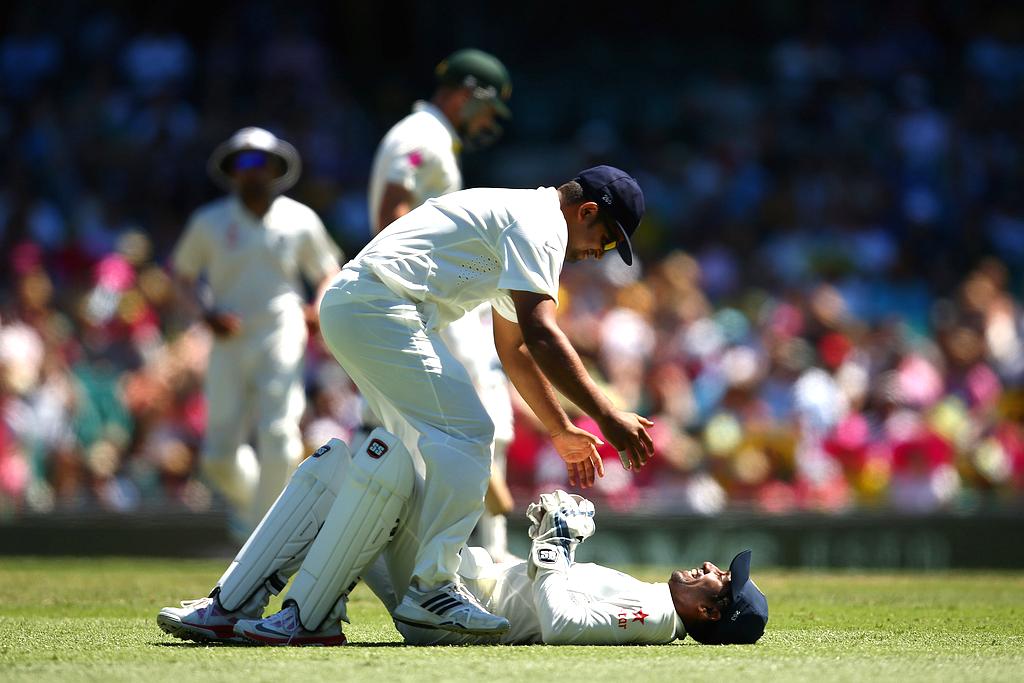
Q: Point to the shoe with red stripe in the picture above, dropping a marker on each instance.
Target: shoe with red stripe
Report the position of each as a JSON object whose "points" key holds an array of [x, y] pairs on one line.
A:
{"points": [[202, 620], [284, 628]]}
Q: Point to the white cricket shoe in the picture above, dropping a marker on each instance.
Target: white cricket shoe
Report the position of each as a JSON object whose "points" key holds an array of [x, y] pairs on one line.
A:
{"points": [[284, 628], [451, 608], [202, 620]]}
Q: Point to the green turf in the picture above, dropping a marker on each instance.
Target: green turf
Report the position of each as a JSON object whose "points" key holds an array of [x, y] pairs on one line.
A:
{"points": [[75, 619]]}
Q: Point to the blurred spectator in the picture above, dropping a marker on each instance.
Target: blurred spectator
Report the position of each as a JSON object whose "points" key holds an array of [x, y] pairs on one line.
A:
{"points": [[827, 315]]}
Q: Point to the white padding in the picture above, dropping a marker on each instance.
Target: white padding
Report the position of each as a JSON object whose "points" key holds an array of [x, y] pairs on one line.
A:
{"points": [[279, 544], [362, 521]]}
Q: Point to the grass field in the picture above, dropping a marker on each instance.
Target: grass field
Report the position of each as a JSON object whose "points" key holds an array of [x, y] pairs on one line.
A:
{"points": [[93, 619]]}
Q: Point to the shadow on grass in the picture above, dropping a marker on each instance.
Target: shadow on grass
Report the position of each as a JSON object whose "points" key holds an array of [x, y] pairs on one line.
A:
{"points": [[191, 645]]}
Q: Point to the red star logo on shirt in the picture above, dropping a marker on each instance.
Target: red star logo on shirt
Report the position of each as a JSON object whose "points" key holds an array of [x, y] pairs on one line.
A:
{"points": [[640, 616]]}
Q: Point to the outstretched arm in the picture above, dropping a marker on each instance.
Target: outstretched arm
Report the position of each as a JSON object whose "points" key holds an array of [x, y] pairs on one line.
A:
{"points": [[559, 362], [578, 448], [597, 606]]}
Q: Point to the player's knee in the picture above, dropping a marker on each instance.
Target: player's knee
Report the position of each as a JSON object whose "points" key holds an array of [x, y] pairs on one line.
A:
{"points": [[280, 441], [476, 431]]}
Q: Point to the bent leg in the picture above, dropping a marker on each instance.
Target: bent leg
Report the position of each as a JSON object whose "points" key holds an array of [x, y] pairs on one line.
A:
{"points": [[370, 505], [423, 393], [279, 544]]}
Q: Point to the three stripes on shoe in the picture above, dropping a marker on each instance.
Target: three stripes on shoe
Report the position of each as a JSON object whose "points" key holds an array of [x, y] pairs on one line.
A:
{"points": [[439, 604]]}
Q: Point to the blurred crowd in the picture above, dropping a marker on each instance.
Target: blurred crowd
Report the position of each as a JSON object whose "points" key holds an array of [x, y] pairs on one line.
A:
{"points": [[827, 313]]}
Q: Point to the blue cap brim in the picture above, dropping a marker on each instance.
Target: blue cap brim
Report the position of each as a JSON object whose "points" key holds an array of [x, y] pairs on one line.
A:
{"points": [[749, 609], [739, 570], [625, 249]]}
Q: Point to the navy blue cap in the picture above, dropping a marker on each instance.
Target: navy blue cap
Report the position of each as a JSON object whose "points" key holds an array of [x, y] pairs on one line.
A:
{"points": [[619, 196], [747, 614]]}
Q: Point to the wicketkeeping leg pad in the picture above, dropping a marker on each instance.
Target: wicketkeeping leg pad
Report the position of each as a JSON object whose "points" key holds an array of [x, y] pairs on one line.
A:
{"points": [[364, 518], [278, 545]]}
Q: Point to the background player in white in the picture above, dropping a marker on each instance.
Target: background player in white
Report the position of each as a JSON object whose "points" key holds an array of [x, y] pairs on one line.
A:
{"points": [[428, 471], [243, 257], [418, 159]]}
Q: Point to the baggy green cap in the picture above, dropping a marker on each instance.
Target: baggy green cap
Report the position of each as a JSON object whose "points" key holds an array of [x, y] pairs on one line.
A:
{"points": [[480, 70]]}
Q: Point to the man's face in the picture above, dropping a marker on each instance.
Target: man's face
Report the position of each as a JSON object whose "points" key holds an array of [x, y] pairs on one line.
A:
{"points": [[590, 235], [252, 172], [481, 121], [700, 592]]}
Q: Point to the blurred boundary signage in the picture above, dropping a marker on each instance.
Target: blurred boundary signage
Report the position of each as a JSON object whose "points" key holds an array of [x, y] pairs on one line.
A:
{"points": [[809, 541]]}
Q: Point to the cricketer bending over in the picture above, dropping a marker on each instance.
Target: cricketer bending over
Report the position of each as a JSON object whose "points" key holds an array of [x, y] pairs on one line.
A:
{"points": [[381, 319]]}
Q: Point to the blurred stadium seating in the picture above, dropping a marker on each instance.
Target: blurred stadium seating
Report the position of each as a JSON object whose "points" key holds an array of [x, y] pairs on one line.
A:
{"points": [[827, 314]]}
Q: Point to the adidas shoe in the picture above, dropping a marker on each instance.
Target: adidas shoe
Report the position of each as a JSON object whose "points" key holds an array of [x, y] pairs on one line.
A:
{"points": [[284, 628], [202, 620], [451, 608]]}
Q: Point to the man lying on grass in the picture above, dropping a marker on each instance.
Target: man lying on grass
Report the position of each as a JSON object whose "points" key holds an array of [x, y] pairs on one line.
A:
{"points": [[548, 598]]}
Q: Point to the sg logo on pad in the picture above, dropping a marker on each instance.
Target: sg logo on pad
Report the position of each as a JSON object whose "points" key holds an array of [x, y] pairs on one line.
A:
{"points": [[546, 555], [376, 449]]}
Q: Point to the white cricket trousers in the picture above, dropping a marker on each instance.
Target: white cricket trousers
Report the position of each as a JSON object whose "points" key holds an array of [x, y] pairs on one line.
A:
{"points": [[425, 396], [257, 374]]}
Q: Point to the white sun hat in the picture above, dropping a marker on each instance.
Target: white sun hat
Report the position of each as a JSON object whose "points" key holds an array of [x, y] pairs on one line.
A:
{"points": [[252, 138]]}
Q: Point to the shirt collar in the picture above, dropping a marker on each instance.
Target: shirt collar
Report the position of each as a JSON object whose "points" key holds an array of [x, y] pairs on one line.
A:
{"points": [[430, 108], [243, 215], [679, 631]]}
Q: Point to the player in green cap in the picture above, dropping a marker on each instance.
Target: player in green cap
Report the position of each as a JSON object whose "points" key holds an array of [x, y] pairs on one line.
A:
{"points": [[418, 159]]}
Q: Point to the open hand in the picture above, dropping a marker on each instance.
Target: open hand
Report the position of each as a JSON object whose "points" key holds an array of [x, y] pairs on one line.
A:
{"points": [[578, 448]]}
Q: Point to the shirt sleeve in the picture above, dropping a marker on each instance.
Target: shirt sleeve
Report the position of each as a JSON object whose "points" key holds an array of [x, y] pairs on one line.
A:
{"points": [[192, 253], [503, 306], [406, 163], [570, 617], [531, 261], [319, 254]]}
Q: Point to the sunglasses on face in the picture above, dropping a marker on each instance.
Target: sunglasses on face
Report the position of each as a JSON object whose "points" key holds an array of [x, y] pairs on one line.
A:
{"points": [[247, 160]]}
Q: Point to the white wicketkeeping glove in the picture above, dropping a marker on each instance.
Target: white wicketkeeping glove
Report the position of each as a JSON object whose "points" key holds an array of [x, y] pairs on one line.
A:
{"points": [[561, 515], [559, 522]]}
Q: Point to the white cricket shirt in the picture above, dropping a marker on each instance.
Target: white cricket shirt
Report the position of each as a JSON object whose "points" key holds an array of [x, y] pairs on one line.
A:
{"points": [[253, 264], [420, 154], [469, 247], [588, 604]]}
